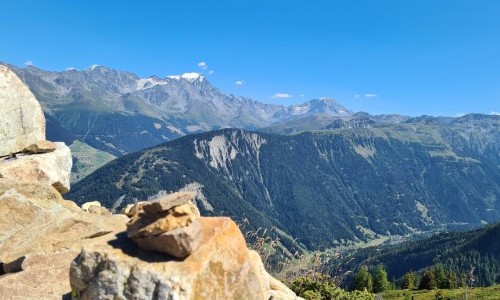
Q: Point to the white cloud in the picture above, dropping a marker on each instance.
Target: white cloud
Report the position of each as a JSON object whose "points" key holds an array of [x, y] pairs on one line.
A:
{"points": [[70, 69], [239, 82], [302, 95], [210, 72], [495, 113], [281, 96], [357, 96], [202, 65], [28, 63], [460, 115], [370, 95]]}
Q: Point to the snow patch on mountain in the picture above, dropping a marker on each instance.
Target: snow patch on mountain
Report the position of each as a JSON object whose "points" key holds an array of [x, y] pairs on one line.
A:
{"points": [[188, 76], [145, 83]]}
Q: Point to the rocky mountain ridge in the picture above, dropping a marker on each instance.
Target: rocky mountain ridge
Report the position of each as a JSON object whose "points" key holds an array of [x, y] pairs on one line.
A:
{"points": [[119, 112]]}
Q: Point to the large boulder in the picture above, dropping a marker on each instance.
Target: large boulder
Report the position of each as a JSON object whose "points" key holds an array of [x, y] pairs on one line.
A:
{"points": [[222, 267], [53, 168], [22, 120], [40, 234]]}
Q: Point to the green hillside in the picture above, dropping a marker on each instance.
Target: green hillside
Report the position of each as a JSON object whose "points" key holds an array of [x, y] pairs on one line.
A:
{"points": [[476, 252]]}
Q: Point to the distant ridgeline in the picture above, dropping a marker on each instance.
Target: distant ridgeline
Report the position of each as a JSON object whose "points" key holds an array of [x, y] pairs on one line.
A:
{"points": [[324, 187], [475, 253]]}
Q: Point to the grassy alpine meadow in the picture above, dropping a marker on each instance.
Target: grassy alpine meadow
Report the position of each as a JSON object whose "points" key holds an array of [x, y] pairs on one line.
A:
{"points": [[479, 293]]}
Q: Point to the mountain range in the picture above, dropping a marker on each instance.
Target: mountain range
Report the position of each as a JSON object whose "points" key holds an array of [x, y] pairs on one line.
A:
{"points": [[119, 112], [328, 186]]}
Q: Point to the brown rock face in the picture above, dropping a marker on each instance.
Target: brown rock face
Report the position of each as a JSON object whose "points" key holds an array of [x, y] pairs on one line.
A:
{"points": [[156, 222], [40, 147], [178, 242], [40, 234], [221, 268], [22, 120]]}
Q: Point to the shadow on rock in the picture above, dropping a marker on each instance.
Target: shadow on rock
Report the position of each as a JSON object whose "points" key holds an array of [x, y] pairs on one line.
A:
{"points": [[130, 248]]}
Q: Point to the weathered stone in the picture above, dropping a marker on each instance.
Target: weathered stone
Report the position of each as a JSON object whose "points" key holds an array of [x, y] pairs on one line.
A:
{"points": [[85, 206], [40, 147], [40, 234], [179, 242], [99, 210], [222, 267], [131, 210], [22, 120], [147, 224], [168, 202], [44, 276], [52, 168]]}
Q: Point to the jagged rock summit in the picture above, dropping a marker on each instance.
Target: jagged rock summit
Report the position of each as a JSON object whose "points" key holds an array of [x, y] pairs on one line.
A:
{"points": [[41, 233]]}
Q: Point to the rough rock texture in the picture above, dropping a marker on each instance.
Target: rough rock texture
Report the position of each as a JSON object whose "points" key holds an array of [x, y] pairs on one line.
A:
{"points": [[167, 225], [179, 242], [40, 234], [85, 206], [23, 122], [131, 210], [52, 168], [221, 268], [40, 147], [99, 210], [151, 222]]}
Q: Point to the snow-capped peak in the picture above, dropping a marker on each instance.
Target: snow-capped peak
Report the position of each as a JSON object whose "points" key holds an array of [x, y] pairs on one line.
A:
{"points": [[188, 76], [92, 67]]}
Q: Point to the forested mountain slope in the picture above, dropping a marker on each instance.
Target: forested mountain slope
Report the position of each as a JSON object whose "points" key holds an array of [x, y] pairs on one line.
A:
{"points": [[461, 252], [326, 186]]}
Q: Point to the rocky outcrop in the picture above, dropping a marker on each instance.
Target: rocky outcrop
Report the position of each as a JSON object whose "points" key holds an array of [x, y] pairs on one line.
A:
{"points": [[22, 120], [25, 155], [53, 168], [40, 234], [222, 267]]}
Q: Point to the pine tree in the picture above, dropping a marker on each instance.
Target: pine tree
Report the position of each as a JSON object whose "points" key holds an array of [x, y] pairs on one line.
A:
{"points": [[380, 282], [428, 281], [451, 280], [408, 281], [363, 280], [440, 274]]}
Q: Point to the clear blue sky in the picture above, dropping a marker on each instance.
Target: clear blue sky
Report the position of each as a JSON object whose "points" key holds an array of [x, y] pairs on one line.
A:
{"points": [[438, 57]]}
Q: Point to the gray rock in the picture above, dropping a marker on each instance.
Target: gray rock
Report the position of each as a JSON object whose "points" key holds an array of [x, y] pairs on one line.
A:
{"points": [[169, 201]]}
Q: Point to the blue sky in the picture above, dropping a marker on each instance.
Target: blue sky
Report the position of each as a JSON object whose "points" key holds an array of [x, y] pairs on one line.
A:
{"points": [[408, 57]]}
